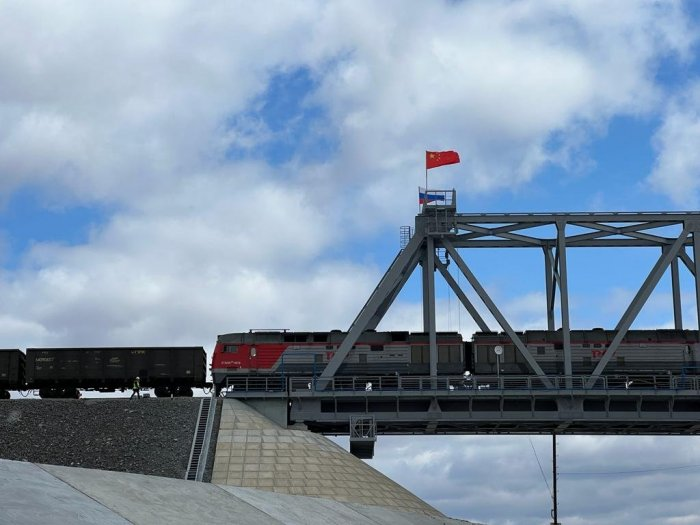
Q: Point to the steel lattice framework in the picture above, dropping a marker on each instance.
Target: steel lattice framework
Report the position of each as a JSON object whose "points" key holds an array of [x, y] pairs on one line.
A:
{"points": [[439, 226], [536, 403]]}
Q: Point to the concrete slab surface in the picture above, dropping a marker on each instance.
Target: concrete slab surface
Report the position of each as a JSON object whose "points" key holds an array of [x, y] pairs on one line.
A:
{"points": [[150, 499], [253, 451], [300, 510], [29, 495], [51, 495]]}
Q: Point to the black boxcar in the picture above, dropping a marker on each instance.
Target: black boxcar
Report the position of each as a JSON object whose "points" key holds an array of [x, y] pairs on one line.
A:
{"points": [[60, 372], [11, 371]]}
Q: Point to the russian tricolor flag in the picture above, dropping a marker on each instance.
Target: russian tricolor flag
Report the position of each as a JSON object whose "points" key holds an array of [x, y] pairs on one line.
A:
{"points": [[424, 197]]}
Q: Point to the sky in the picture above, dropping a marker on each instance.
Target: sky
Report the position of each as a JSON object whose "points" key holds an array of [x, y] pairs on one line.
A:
{"points": [[175, 170]]}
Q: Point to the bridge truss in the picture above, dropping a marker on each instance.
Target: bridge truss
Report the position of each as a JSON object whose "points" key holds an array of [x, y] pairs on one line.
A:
{"points": [[441, 227], [538, 403]]}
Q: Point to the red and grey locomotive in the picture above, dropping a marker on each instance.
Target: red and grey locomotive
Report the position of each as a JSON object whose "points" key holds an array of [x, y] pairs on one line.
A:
{"points": [[284, 353]]}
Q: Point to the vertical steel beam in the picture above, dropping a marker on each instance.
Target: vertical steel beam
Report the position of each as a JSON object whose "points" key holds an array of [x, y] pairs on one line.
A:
{"points": [[425, 276], [639, 300], [676, 291], [549, 286], [462, 296], [432, 334], [495, 311], [696, 267], [564, 296]]}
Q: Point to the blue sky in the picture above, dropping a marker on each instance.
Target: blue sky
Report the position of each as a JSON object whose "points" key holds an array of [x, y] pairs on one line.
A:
{"points": [[171, 171]]}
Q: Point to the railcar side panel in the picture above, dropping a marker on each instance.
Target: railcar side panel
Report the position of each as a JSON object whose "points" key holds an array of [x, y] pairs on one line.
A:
{"points": [[115, 368], [12, 370]]}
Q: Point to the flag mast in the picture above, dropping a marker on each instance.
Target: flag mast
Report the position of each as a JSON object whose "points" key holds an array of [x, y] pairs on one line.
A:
{"points": [[426, 181]]}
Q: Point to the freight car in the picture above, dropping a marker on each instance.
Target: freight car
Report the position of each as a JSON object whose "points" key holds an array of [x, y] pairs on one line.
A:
{"points": [[63, 372], [284, 353], [11, 371]]}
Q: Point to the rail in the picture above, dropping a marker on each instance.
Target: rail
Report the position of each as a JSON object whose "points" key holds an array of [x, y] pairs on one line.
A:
{"points": [[457, 384]]}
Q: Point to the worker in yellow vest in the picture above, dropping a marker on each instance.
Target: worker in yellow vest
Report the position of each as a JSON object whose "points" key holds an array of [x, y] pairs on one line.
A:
{"points": [[136, 387]]}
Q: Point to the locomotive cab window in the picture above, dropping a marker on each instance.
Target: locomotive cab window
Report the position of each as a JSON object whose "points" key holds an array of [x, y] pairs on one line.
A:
{"points": [[253, 351], [231, 349]]}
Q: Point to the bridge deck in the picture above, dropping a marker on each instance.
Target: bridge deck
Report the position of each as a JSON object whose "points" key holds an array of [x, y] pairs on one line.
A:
{"points": [[660, 404]]}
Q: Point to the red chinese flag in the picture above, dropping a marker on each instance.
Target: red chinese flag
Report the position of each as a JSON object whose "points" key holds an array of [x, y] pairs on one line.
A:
{"points": [[433, 159]]}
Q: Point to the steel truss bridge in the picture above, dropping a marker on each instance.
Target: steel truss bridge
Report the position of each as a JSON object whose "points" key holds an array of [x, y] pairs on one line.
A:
{"points": [[536, 403]]}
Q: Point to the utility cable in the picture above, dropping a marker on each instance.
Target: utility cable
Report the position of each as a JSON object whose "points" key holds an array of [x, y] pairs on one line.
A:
{"points": [[624, 472], [541, 470]]}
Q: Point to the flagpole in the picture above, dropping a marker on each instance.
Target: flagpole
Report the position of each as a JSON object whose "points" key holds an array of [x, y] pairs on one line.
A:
{"points": [[426, 179]]}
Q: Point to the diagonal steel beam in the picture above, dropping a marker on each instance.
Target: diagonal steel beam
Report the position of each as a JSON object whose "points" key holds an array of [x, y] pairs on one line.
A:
{"points": [[491, 231], [462, 297], [689, 263], [549, 284], [384, 289], [676, 291], [391, 297], [497, 232], [494, 310], [638, 302], [564, 298], [553, 263], [605, 230]]}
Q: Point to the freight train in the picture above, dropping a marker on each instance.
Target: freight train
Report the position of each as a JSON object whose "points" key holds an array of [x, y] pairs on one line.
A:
{"points": [[284, 353], [63, 372]]}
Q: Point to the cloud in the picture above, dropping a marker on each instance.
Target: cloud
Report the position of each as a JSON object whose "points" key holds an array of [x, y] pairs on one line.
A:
{"points": [[500, 82], [498, 479], [170, 272], [677, 166], [88, 114]]}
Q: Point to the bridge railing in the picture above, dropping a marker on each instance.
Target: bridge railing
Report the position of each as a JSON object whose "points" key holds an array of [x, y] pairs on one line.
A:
{"points": [[393, 383], [256, 384], [505, 382]]}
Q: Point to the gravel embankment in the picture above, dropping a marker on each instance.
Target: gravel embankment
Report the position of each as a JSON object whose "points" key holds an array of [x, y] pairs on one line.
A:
{"points": [[148, 436]]}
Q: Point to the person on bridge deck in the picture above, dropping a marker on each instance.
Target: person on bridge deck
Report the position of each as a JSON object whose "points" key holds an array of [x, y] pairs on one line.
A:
{"points": [[136, 387]]}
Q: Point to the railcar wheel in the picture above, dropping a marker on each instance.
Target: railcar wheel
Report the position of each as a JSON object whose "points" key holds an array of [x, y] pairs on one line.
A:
{"points": [[184, 391], [4, 394], [47, 393], [161, 391]]}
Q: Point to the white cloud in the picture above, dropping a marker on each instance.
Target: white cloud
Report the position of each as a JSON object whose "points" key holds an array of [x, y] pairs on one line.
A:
{"points": [[678, 162], [496, 81], [497, 479]]}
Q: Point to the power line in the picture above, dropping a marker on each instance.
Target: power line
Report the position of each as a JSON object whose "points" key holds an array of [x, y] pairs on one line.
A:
{"points": [[624, 472], [540, 465]]}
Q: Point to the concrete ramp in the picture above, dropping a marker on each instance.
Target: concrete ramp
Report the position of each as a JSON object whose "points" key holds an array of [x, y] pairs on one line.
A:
{"points": [[252, 451], [51, 495]]}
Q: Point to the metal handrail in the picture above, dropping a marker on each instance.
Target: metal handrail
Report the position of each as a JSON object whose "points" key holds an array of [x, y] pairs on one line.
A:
{"points": [[393, 383], [390, 383]]}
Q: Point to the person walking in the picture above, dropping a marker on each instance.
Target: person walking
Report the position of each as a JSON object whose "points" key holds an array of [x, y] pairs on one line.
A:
{"points": [[136, 387]]}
